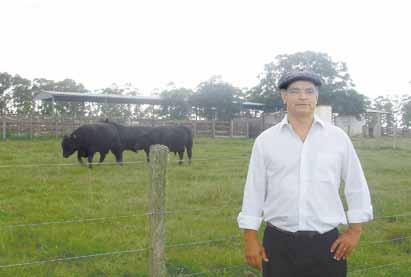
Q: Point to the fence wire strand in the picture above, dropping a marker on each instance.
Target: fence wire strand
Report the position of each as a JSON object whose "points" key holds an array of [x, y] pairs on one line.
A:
{"points": [[356, 271], [115, 163], [216, 270], [177, 245], [74, 258], [90, 220]]}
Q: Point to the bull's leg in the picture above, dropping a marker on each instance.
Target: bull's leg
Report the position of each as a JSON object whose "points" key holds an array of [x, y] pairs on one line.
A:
{"points": [[90, 159], [118, 153], [79, 155], [119, 157], [102, 156], [189, 154], [147, 150], [180, 156]]}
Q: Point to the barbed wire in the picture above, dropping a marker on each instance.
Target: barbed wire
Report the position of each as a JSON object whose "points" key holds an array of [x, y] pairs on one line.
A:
{"points": [[356, 271], [177, 245], [406, 214], [202, 242], [91, 220], [391, 190], [87, 220], [215, 270], [74, 258], [235, 158], [385, 241]]}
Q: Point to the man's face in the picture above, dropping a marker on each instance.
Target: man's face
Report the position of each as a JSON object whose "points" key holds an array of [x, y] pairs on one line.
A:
{"points": [[301, 98]]}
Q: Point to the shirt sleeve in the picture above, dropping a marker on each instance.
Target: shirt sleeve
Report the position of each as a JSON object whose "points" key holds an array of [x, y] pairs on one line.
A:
{"points": [[250, 216], [356, 189]]}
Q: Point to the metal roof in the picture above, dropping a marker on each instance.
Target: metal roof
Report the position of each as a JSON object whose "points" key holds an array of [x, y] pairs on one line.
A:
{"points": [[253, 105], [93, 97], [115, 99]]}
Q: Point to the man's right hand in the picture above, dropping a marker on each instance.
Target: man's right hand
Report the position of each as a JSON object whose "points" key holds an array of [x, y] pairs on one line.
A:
{"points": [[254, 251]]}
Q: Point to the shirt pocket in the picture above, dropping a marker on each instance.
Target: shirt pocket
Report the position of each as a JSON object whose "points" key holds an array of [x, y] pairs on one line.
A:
{"points": [[327, 167]]}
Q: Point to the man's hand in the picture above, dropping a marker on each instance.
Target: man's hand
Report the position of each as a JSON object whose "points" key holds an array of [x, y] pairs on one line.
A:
{"points": [[346, 242], [254, 251]]}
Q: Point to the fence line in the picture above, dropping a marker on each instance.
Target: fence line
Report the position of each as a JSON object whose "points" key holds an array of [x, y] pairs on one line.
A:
{"points": [[178, 245], [406, 214], [91, 220], [384, 241], [391, 190], [202, 242], [115, 163], [86, 220], [74, 258], [377, 267], [216, 270]]}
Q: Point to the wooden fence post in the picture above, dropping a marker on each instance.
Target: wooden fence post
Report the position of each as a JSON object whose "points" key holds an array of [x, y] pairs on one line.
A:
{"points": [[394, 141], [31, 126], [4, 128], [55, 127], [213, 129], [158, 171], [194, 128], [231, 128], [247, 129]]}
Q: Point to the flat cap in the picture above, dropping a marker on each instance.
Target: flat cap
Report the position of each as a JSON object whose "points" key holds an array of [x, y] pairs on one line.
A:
{"points": [[293, 76]]}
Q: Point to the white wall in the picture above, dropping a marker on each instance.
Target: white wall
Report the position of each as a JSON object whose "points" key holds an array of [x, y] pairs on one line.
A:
{"points": [[350, 124], [324, 113]]}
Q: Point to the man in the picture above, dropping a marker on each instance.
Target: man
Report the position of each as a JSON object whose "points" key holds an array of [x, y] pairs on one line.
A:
{"points": [[293, 185]]}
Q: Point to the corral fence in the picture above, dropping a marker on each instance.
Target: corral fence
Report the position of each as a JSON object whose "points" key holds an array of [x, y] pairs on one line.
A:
{"points": [[43, 126], [28, 127]]}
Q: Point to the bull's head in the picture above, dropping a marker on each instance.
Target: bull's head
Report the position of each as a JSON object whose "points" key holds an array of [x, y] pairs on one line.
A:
{"points": [[68, 146]]}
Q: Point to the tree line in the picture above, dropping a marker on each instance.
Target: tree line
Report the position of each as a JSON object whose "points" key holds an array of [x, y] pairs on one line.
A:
{"points": [[211, 99]]}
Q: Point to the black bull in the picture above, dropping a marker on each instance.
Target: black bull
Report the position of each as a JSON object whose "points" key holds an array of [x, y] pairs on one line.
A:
{"points": [[176, 138], [129, 135], [91, 138]]}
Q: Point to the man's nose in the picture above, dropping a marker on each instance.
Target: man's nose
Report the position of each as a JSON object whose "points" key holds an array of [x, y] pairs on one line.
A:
{"points": [[303, 95]]}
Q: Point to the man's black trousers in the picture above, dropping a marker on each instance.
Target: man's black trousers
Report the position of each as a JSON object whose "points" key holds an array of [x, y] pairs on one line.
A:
{"points": [[298, 255]]}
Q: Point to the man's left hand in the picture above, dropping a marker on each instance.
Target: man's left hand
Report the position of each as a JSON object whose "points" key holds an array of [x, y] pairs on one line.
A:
{"points": [[346, 242]]}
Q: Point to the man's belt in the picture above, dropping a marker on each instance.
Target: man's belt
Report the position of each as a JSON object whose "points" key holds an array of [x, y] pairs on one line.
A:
{"points": [[298, 234]]}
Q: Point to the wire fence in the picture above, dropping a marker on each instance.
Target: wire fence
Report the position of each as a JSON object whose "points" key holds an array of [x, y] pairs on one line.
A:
{"points": [[178, 245]]}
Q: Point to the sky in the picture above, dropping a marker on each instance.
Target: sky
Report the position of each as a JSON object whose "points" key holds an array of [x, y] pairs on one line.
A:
{"points": [[152, 43]]}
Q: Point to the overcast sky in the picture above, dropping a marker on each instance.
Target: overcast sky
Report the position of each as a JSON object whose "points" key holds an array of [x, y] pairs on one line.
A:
{"points": [[151, 43]]}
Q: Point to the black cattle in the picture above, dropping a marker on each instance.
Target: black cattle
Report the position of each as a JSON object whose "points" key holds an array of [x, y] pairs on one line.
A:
{"points": [[91, 138], [176, 138], [129, 135]]}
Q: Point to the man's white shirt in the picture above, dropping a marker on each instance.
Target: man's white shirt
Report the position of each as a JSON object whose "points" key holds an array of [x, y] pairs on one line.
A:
{"points": [[295, 185]]}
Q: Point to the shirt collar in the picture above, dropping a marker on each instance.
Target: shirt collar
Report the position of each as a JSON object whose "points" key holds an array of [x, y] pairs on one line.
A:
{"points": [[317, 120]]}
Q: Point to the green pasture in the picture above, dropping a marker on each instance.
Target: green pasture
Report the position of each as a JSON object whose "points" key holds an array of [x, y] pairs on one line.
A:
{"points": [[53, 208]]}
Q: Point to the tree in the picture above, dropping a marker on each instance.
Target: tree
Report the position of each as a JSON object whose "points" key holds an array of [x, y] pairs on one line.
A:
{"points": [[5, 84], [348, 102], [22, 96], [386, 104], [176, 104], [406, 111], [215, 99], [335, 76]]}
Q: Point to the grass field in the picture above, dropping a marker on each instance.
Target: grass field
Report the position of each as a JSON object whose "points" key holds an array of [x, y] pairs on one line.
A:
{"points": [[52, 208]]}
